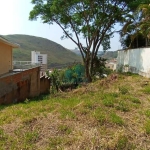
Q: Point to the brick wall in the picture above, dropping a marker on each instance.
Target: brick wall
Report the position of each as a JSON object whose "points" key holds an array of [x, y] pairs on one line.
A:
{"points": [[17, 87], [44, 85]]}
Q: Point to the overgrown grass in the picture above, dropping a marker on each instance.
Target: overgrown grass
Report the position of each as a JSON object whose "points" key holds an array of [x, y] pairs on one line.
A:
{"points": [[113, 116]]}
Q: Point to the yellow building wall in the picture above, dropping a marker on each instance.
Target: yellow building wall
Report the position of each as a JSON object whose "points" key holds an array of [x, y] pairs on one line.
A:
{"points": [[5, 58]]}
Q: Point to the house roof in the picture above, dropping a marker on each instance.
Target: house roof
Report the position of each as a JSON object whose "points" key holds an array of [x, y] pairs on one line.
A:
{"points": [[5, 41]]}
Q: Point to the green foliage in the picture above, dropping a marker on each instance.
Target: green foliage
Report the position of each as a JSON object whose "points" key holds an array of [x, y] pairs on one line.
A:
{"points": [[74, 74], [93, 21], [66, 77], [55, 80], [135, 29], [138, 41], [98, 66]]}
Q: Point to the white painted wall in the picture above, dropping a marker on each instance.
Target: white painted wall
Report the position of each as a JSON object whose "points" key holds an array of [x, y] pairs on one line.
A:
{"points": [[138, 60]]}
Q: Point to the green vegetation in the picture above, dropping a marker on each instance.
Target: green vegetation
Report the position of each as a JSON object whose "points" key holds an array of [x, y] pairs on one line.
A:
{"points": [[135, 32], [57, 55], [92, 21], [70, 77], [95, 115]]}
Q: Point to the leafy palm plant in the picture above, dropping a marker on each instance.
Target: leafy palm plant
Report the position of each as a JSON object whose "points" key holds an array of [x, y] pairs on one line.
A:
{"points": [[144, 25], [131, 29]]}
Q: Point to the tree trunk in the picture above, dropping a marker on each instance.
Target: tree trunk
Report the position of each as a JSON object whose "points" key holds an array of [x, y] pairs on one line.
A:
{"points": [[88, 69], [88, 75]]}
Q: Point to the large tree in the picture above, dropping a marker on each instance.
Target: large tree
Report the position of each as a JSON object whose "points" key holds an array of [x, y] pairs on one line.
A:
{"points": [[92, 20]]}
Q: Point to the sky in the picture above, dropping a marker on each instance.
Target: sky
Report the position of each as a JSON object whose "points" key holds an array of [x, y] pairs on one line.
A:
{"points": [[14, 19]]}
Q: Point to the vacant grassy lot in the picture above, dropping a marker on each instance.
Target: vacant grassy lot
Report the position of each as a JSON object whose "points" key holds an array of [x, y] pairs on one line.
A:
{"points": [[105, 115]]}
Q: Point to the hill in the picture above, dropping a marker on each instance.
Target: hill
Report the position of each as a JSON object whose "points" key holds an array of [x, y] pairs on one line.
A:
{"points": [[104, 115], [110, 54], [107, 54], [57, 54], [76, 51]]}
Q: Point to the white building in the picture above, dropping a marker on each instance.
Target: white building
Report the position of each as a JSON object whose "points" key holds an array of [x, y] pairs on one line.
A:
{"points": [[36, 57], [135, 61], [111, 64]]}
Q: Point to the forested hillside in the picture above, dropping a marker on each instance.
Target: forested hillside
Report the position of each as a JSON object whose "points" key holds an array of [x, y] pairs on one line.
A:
{"points": [[57, 54]]}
